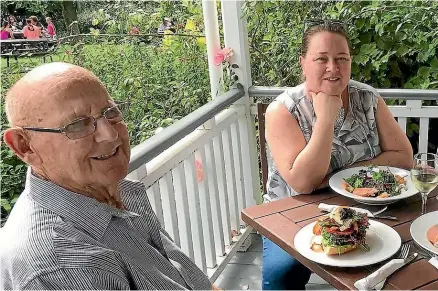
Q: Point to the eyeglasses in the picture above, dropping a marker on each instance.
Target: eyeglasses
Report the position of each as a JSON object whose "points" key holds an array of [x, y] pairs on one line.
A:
{"points": [[314, 22], [85, 126]]}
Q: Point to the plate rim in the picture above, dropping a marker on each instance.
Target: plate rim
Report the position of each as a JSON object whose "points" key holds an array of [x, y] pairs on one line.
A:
{"points": [[367, 199], [399, 242], [418, 220]]}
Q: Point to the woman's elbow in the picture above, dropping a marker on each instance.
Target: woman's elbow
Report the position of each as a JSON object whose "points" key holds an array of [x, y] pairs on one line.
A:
{"points": [[408, 159], [302, 187]]}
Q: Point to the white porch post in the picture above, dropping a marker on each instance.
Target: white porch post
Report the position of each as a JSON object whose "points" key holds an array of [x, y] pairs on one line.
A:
{"points": [[209, 9], [236, 37]]}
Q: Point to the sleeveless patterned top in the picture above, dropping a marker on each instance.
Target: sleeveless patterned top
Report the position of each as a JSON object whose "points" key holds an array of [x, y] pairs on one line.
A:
{"points": [[355, 138]]}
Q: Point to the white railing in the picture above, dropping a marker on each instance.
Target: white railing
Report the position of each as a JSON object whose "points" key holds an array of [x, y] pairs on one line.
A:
{"points": [[199, 178], [415, 109], [197, 188]]}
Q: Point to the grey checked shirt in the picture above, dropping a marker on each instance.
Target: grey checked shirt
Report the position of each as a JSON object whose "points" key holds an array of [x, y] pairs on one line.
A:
{"points": [[58, 239]]}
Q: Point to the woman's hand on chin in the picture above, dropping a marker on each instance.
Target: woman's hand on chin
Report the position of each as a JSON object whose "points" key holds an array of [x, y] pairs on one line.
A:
{"points": [[326, 106]]}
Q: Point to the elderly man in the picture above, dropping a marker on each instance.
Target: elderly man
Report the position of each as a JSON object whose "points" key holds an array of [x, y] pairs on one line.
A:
{"points": [[78, 224]]}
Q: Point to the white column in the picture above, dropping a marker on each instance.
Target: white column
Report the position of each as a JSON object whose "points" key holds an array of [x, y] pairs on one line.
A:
{"points": [[213, 44], [236, 37], [212, 40]]}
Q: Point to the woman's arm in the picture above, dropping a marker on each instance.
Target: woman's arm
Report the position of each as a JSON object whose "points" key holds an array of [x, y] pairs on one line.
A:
{"points": [[303, 166], [394, 144], [395, 147]]}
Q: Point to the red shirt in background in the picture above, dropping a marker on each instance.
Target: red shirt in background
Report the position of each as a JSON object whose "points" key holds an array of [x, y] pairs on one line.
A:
{"points": [[51, 29], [31, 32]]}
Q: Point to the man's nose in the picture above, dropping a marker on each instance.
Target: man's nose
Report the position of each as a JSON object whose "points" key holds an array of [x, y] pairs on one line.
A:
{"points": [[105, 132]]}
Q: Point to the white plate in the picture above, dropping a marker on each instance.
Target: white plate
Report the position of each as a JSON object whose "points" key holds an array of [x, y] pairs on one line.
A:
{"points": [[384, 242], [419, 228], [336, 181]]}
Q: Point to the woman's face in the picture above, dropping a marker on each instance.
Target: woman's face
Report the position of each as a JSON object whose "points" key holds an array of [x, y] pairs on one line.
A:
{"points": [[327, 63]]}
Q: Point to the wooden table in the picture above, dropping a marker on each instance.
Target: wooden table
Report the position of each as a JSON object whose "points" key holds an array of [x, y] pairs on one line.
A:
{"points": [[281, 220]]}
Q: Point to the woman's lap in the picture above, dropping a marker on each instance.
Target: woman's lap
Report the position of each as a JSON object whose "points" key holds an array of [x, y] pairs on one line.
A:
{"points": [[280, 271]]}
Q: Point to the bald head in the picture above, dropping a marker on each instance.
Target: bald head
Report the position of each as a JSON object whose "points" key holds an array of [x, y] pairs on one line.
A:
{"points": [[28, 99], [55, 111]]}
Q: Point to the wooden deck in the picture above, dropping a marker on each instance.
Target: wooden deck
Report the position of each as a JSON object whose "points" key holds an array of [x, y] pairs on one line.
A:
{"points": [[244, 272]]}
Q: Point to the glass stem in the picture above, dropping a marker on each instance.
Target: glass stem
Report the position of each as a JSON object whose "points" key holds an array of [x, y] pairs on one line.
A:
{"points": [[424, 200]]}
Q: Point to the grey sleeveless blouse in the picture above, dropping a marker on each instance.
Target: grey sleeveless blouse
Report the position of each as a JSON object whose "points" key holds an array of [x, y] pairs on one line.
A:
{"points": [[355, 138]]}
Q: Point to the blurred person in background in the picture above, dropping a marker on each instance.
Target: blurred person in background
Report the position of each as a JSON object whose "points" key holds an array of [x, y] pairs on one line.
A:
{"points": [[51, 30], [31, 31], [6, 31]]}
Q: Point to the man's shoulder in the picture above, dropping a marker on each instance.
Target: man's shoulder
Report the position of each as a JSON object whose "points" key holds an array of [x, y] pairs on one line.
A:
{"points": [[27, 241], [37, 240]]}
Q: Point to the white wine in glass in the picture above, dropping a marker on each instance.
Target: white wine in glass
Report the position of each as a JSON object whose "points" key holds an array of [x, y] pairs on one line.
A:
{"points": [[424, 175]]}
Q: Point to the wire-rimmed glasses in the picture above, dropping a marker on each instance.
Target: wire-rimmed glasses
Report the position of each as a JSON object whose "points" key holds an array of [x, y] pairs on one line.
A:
{"points": [[85, 126]]}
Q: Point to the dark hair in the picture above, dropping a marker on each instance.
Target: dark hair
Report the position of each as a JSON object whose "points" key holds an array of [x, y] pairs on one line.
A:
{"points": [[333, 26], [34, 18], [5, 23], [28, 21]]}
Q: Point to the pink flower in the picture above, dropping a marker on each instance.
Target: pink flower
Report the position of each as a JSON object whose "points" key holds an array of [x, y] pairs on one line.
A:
{"points": [[134, 30], [222, 55], [199, 171]]}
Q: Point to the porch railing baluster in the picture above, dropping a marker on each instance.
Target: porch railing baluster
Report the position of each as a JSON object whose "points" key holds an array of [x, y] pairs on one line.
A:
{"points": [[237, 154], [154, 196], [210, 170], [204, 201], [182, 208], [195, 212], [169, 207], [222, 187], [230, 174]]}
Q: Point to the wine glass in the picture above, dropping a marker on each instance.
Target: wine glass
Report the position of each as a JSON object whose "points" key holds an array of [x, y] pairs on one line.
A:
{"points": [[424, 175]]}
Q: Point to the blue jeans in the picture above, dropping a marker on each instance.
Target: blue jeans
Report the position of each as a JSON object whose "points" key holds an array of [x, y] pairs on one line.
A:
{"points": [[280, 271]]}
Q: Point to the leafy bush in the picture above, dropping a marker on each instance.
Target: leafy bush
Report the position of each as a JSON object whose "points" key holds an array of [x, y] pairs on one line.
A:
{"points": [[163, 82], [395, 44]]}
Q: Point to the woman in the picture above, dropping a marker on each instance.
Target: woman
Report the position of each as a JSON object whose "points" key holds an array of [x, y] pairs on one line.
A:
{"points": [[13, 22], [6, 31], [325, 124], [30, 31], [51, 30]]}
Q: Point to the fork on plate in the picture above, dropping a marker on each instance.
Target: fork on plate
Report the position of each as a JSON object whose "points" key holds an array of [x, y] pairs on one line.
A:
{"points": [[376, 214]]}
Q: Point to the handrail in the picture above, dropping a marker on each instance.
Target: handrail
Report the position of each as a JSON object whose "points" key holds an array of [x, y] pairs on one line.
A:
{"points": [[403, 94], [101, 35], [146, 151]]}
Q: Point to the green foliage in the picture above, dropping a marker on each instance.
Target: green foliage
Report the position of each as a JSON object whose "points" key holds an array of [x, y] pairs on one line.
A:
{"points": [[395, 44], [120, 16], [163, 82]]}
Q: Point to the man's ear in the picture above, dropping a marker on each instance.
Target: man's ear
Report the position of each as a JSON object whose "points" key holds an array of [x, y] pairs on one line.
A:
{"points": [[19, 142]]}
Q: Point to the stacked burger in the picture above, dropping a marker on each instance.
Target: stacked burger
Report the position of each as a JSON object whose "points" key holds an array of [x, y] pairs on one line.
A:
{"points": [[342, 231]]}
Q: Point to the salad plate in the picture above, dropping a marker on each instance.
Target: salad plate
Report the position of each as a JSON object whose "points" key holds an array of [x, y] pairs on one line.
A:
{"points": [[382, 240], [374, 185]]}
